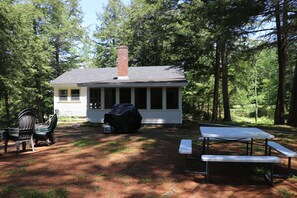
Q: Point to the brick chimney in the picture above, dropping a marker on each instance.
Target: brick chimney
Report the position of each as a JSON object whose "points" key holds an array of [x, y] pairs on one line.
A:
{"points": [[123, 63]]}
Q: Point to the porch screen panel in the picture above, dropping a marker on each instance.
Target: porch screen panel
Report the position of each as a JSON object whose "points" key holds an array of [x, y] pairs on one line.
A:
{"points": [[125, 95], [109, 97], [156, 98], [95, 98], [140, 98], [172, 98]]}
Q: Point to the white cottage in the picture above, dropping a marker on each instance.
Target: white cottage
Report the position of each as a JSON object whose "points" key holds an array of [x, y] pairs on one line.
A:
{"points": [[156, 91]]}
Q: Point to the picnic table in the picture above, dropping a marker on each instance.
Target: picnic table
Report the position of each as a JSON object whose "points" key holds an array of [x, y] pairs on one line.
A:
{"points": [[234, 134], [237, 134]]}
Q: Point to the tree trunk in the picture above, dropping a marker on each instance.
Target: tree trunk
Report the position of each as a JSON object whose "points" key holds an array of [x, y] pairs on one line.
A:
{"points": [[38, 86], [57, 58], [6, 98], [256, 94], [39, 100], [208, 107], [216, 84], [279, 116], [227, 115], [292, 120]]}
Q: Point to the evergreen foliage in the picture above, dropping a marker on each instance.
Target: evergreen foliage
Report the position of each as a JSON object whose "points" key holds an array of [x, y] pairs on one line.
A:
{"points": [[37, 44], [239, 56], [109, 34]]}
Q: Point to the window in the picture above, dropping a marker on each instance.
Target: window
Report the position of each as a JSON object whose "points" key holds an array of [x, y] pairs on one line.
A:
{"points": [[74, 94], [140, 98], [95, 98], [109, 97], [63, 93], [156, 98], [172, 98], [125, 95]]}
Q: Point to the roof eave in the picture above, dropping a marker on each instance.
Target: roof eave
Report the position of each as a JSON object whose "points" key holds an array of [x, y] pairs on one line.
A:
{"points": [[173, 83]]}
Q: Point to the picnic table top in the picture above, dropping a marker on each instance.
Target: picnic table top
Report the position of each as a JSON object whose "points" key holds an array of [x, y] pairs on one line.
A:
{"points": [[234, 132]]}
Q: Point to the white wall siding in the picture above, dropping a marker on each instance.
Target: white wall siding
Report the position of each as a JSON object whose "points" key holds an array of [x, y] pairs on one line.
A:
{"points": [[148, 117], [161, 116], [96, 115], [71, 108]]}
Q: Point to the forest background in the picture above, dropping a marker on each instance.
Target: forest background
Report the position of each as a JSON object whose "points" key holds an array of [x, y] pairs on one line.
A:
{"points": [[239, 56]]}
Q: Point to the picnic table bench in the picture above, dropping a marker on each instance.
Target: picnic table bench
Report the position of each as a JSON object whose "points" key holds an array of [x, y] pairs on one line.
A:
{"points": [[246, 141], [241, 159], [185, 148], [283, 150]]}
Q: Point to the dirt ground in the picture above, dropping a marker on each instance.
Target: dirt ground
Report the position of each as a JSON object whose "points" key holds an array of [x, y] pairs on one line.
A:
{"points": [[85, 162]]}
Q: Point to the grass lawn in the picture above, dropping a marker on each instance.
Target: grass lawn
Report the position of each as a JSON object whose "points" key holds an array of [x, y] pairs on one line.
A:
{"points": [[85, 162]]}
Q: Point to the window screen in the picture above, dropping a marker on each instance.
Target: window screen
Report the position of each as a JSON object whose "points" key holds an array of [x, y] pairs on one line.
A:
{"points": [[125, 95], [109, 97], [95, 98], [172, 98], [140, 98], [156, 98]]}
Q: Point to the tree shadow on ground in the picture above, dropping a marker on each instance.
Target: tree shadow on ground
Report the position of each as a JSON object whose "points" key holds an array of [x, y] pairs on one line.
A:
{"points": [[87, 163]]}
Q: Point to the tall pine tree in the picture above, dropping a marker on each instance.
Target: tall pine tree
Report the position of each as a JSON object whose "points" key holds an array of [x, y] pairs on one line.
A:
{"points": [[109, 33]]}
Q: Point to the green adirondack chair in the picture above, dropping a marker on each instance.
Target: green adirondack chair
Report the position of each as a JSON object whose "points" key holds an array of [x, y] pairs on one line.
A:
{"points": [[46, 133]]}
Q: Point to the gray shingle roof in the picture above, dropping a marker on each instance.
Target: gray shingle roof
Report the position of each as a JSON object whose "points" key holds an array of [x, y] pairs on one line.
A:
{"points": [[136, 74]]}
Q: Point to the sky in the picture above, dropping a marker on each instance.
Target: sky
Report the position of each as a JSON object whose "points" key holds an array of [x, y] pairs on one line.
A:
{"points": [[90, 8]]}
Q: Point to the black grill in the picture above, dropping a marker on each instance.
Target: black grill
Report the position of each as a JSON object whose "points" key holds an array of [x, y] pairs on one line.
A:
{"points": [[123, 117]]}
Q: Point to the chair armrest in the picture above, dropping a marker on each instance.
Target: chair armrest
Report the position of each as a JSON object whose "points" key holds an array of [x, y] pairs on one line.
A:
{"points": [[42, 125], [41, 129], [11, 131]]}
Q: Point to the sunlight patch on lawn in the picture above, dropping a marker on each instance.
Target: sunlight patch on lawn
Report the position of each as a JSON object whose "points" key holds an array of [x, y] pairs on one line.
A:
{"points": [[78, 179], [12, 191], [117, 147], [20, 168], [146, 180], [284, 192], [260, 120], [120, 151], [101, 175], [85, 143], [288, 141], [96, 188], [149, 144], [293, 179]]}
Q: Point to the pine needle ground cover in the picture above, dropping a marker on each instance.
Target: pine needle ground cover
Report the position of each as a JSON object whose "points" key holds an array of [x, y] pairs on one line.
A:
{"points": [[85, 162]]}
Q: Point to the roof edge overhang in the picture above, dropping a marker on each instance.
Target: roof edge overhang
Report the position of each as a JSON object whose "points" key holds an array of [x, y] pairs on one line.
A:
{"points": [[179, 83]]}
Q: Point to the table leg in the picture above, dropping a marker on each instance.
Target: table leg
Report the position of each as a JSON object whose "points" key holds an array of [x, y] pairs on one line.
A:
{"points": [[289, 166], [266, 143], [5, 145], [271, 174], [203, 149], [206, 172], [252, 144]]}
